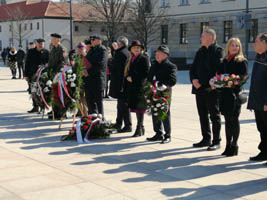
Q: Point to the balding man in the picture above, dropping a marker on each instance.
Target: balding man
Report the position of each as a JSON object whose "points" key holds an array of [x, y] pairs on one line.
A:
{"points": [[205, 65]]}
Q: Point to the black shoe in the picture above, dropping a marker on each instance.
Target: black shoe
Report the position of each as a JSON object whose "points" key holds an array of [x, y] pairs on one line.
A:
{"points": [[13, 78], [259, 157], [125, 129], [214, 147], [34, 110], [227, 149], [233, 151], [138, 132], [202, 143], [166, 140], [156, 137]]}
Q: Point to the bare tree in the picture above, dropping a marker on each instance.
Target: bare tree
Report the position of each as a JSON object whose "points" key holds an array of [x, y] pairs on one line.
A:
{"points": [[19, 22], [146, 17], [112, 13]]}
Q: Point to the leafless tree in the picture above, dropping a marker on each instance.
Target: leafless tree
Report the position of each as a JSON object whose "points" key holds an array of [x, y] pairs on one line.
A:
{"points": [[112, 13], [19, 23], [146, 17]]}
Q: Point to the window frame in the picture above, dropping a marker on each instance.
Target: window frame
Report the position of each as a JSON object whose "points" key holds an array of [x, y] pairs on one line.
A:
{"points": [[227, 30], [184, 33]]}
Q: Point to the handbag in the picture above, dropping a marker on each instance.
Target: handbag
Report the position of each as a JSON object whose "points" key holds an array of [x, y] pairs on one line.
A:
{"points": [[242, 97]]}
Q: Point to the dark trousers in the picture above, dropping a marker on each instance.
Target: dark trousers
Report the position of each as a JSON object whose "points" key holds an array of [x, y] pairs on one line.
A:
{"points": [[261, 122], [140, 120], [232, 129], [14, 72], [34, 103], [94, 100], [208, 109], [123, 113], [20, 68]]}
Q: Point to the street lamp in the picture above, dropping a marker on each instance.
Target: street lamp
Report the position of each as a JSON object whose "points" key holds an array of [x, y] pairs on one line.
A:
{"points": [[247, 26], [71, 26]]}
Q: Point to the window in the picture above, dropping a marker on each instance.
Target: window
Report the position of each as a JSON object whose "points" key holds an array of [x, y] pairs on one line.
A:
{"points": [[203, 26], [76, 28], [148, 7], [164, 3], [184, 2], [31, 26], [0, 28], [38, 25], [183, 34], [1, 45], [253, 32], [25, 27], [228, 30], [164, 34], [205, 1], [10, 28]]}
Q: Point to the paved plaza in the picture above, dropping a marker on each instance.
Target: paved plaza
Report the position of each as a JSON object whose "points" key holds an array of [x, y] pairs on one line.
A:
{"points": [[36, 165]]}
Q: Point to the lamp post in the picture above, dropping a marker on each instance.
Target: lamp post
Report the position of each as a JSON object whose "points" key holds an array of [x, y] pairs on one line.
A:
{"points": [[71, 26], [247, 26]]}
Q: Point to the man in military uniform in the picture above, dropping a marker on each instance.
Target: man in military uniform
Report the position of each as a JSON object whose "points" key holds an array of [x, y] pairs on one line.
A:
{"points": [[35, 57], [55, 63], [96, 72]]}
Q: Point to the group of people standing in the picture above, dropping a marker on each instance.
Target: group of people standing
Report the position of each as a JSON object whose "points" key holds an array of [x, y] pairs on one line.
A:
{"points": [[211, 102]]}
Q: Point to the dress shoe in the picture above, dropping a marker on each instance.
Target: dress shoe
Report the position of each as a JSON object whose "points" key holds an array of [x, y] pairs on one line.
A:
{"points": [[202, 143], [156, 137], [214, 147], [259, 157], [233, 151], [125, 129], [166, 140], [13, 78], [34, 110], [227, 149]]}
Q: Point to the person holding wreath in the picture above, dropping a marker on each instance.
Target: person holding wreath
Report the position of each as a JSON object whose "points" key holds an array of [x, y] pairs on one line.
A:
{"points": [[135, 75], [235, 64]]}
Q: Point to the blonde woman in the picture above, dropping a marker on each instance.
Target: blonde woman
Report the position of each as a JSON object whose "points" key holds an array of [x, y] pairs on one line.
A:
{"points": [[12, 61], [235, 63]]}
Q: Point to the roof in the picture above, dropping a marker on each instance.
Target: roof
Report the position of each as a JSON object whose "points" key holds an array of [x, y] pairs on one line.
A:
{"points": [[48, 9]]}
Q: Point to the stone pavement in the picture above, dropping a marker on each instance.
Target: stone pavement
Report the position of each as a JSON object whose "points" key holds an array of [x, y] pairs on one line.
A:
{"points": [[36, 165]]}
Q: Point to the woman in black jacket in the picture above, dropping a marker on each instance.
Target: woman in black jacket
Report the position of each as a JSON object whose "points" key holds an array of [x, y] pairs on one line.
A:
{"points": [[235, 63], [135, 74], [12, 61]]}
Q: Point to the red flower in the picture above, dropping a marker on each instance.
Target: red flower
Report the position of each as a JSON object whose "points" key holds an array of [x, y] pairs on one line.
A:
{"points": [[167, 97], [164, 100], [73, 128], [88, 122], [85, 127], [156, 97], [90, 117]]}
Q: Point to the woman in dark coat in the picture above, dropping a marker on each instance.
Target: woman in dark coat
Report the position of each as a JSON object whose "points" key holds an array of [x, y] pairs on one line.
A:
{"points": [[135, 74], [12, 61], [233, 63]]}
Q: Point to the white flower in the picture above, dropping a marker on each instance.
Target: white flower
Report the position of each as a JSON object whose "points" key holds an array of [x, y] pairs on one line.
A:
{"points": [[74, 76], [155, 114], [46, 89], [162, 108], [158, 105], [69, 71], [62, 69], [94, 115], [72, 84], [33, 90], [99, 116], [154, 99], [162, 88], [148, 101], [69, 76], [155, 109], [71, 79], [49, 82]]}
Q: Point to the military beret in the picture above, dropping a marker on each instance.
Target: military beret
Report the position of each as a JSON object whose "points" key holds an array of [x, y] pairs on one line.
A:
{"points": [[164, 49], [31, 43], [96, 36], [55, 35], [40, 40]]}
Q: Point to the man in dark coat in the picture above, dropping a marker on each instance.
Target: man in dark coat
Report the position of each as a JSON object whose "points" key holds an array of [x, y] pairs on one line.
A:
{"points": [[165, 72], [35, 57], [205, 65], [20, 60], [4, 55], [119, 62], [96, 72], [257, 100]]}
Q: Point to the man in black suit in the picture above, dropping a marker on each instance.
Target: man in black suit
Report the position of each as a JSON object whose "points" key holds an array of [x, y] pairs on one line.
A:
{"points": [[96, 72], [120, 59], [165, 72]]}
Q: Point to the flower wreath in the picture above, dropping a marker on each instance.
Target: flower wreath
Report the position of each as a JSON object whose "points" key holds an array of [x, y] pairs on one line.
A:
{"points": [[66, 88], [157, 99], [41, 88], [226, 80]]}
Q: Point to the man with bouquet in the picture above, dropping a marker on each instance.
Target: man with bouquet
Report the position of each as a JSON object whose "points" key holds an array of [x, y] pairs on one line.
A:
{"points": [[204, 67], [164, 72]]}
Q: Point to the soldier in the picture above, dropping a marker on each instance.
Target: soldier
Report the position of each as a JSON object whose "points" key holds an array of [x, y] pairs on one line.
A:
{"points": [[56, 62], [96, 73], [35, 57]]}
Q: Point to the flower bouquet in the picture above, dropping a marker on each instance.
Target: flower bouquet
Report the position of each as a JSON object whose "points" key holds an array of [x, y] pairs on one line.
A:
{"points": [[157, 98], [89, 127], [41, 88], [228, 81], [66, 88]]}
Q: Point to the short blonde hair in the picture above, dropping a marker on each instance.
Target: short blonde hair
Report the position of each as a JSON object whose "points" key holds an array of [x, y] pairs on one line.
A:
{"points": [[240, 56], [211, 32]]}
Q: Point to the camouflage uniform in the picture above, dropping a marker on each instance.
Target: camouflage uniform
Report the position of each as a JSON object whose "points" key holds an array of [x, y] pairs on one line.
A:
{"points": [[56, 59]]}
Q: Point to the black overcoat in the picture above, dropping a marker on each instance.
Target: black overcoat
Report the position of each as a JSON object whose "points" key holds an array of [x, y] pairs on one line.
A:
{"points": [[134, 91], [118, 64], [229, 96], [98, 57]]}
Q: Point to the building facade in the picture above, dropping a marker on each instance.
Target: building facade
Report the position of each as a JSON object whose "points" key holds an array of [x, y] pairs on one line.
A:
{"points": [[188, 18]]}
